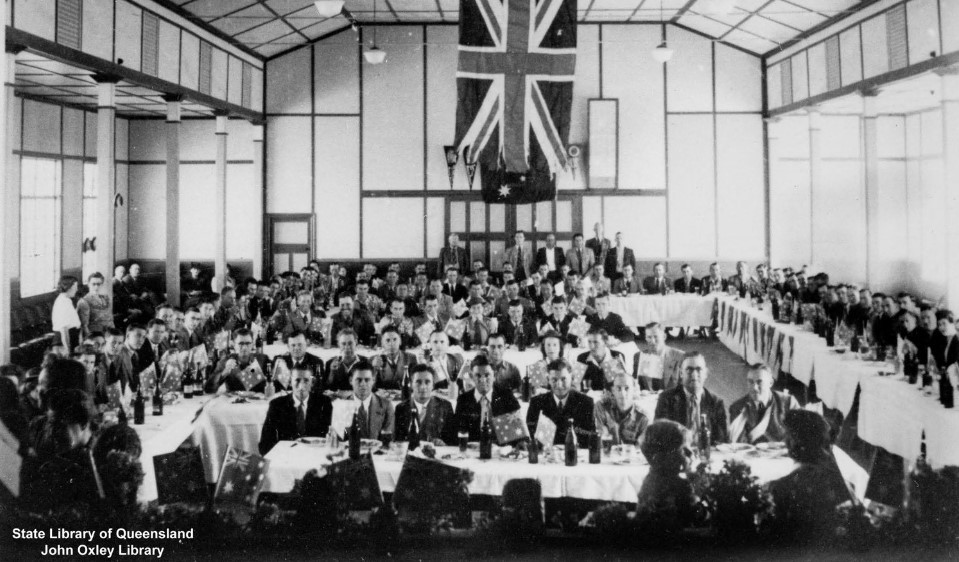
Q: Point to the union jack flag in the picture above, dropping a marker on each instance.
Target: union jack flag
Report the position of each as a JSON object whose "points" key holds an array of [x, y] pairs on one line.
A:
{"points": [[517, 60]]}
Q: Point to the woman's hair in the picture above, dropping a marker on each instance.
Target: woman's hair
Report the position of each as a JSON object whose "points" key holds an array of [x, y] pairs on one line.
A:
{"points": [[661, 438], [118, 437], [65, 408], [552, 334], [807, 435], [66, 282]]}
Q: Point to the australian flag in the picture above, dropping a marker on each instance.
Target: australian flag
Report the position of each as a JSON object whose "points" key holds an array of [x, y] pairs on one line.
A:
{"points": [[517, 60]]}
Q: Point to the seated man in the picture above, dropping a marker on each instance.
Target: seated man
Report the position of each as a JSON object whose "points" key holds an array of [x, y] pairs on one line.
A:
{"points": [[617, 414], [302, 413], [559, 322], [478, 327], [446, 366], [338, 369], [452, 287], [742, 281], [366, 301], [374, 413], [687, 283], [305, 319], [667, 368], [601, 283], [714, 282], [297, 357], [685, 403], [758, 416], [190, 335], [658, 283], [444, 302], [601, 362], [944, 344], [351, 318], [485, 402], [392, 364], [228, 315], [435, 420], [611, 322], [916, 339], [582, 300], [629, 283], [505, 374], [561, 404], [519, 330], [403, 326], [512, 293], [95, 310], [226, 372], [431, 314], [666, 499]]}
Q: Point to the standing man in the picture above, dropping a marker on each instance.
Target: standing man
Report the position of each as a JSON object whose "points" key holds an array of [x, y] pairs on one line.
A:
{"points": [[453, 256], [579, 258], [685, 403], [552, 257], [599, 244], [518, 257], [618, 258], [94, 309]]}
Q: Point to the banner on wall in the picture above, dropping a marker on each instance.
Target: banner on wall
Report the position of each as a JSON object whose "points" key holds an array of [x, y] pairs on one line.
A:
{"points": [[514, 80]]}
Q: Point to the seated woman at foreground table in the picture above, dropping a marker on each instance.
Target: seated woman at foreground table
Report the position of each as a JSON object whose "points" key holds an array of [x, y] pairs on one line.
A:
{"points": [[666, 496]]}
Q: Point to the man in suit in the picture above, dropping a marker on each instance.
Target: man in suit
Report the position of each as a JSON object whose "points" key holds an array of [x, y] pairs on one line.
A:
{"points": [[485, 402], [505, 374], [518, 329], [944, 345], [398, 320], [562, 404], [228, 315], [714, 282], [628, 283], [444, 302], [366, 301], [118, 358], [435, 419], [140, 296], [431, 314], [512, 293], [686, 402], [599, 244], [190, 336], [392, 364], [338, 369], [519, 257], [226, 373], [261, 305], [617, 413], [453, 256], [742, 280], [600, 361], [374, 413], [558, 321], [579, 258], [552, 257], [601, 283], [446, 366], [758, 416], [618, 257], [304, 319], [670, 359], [387, 291], [478, 326], [155, 347], [453, 288], [297, 356], [610, 322], [349, 318], [658, 283], [687, 283], [302, 413]]}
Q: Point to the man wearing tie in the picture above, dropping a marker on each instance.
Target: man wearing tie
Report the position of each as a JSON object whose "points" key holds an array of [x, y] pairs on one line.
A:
{"points": [[685, 403], [579, 258], [431, 314], [628, 283], [435, 422], [485, 402], [302, 413], [598, 244], [375, 413], [453, 256], [618, 257], [518, 257], [562, 404], [452, 287], [658, 283], [552, 257]]}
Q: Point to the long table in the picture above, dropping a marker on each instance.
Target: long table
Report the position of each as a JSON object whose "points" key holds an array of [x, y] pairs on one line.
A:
{"points": [[892, 414], [678, 309]]}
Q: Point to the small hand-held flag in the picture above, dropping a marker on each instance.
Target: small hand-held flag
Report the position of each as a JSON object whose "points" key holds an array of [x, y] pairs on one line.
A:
{"points": [[252, 375], [355, 483], [180, 477], [240, 478], [509, 427], [545, 431]]}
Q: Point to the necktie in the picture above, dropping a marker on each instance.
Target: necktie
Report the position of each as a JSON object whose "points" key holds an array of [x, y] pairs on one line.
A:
{"points": [[484, 408], [477, 336], [562, 405], [693, 424], [364, 421], [579, 254], [421, 412], [301, 419]]}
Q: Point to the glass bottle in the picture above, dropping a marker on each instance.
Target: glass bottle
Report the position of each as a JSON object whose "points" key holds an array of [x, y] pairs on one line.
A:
{"points": [[139, 409], [525, 388], [187, 382], [414, 437], [705, 438], [486, 441], [406, 386], [571, 447], [354, 448], [595, 448], [269, 390], [157, 401]]}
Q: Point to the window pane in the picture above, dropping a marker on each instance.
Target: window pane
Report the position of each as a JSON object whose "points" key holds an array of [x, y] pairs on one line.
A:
{"points": [[40, 228], [524, 217], [544, 216], [457, 217], [89, 179], [477, 216], [497, 218], [477, 251], [564, 216], [496, 249]]}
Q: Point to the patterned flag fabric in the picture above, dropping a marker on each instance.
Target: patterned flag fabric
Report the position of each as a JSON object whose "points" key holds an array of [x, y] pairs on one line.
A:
{"points": [[148, 379], [252, 375], [171, 379], [10, 461], [198, 356], [180, 477], [354, 483], [114, 396], [578, 371], [538, 377], [545, 431], [240, 478], [509, 427], [432, 489], [517, 61], [455, 329]]}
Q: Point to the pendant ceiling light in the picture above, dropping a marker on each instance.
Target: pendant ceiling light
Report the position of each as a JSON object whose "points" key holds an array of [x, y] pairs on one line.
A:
{"points": [[329, 8], [374, 55], [662, 53]]}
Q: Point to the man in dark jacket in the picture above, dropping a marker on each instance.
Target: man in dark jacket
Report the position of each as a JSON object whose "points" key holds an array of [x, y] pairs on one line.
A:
{"points": [[561, 405], [302, 413], [687, 402], [484, 402]]}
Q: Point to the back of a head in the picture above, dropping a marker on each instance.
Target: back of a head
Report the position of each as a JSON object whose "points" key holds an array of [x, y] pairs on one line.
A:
{"points": [[65, 374], [807, 435], [9, 396], [660, 438], [118, 437]]}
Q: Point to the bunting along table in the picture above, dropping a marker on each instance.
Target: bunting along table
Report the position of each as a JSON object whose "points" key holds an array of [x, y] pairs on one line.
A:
{"points": [[677, 309], [607, 481]]}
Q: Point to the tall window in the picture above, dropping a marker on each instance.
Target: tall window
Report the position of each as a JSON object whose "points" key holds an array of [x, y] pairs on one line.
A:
{"points": [[90, 219], [40, 209]]}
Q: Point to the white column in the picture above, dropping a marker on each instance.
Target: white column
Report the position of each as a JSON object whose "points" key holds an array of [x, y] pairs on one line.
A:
{"points": [[815, 173], [106, 176], [870, 157], [9, 196], [261, 202], [949, 77], [173, 199], [219, 209]]}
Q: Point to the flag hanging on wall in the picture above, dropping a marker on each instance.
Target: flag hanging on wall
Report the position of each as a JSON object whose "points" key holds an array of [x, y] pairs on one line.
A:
{"points": [[514, 80]]}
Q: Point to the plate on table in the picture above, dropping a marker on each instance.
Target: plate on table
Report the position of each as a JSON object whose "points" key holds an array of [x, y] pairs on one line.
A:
{"points": [[312, 440], [249, 395], [771, 446], [371, 445], [734, 447]]}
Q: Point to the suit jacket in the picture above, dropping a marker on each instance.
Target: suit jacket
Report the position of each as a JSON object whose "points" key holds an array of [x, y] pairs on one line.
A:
{"points": [[694, 286], [672, 362], [559, 258], [777, 408], [338, 375], [457, 293], [147, 356], [521, 268], [651, 286], [468, 410], [381, 418], [628, 259], [743, 285], [937, 347], [445, 308], [389, 375], [600, 248], [594, 375], [309, 361], [578, 406], [635, 285], [707, 285], [573, 260], [187, 341], [294, 321], [451, 367], [524, 335], [360, 322], [561, 327], [614, 326], [280, 423], [477, 333], [672, 406], [601, 285], [438, 423], [120, 368], [501, 308], [452, 256]]}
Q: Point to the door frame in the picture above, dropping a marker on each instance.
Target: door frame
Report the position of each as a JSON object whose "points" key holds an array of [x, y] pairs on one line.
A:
{"points": [[273, 218]]}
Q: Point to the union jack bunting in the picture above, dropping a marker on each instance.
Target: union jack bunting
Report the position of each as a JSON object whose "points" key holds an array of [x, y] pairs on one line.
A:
{"points": [[517, 61]]}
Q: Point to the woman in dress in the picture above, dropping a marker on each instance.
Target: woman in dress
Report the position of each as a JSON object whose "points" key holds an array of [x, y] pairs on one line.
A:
{"points": [[65, 319]]}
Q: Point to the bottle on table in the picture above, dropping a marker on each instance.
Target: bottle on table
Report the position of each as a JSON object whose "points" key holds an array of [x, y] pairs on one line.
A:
{"points": [[774, 302], [354, 447], [595, 448], [187, 382], [414, 437], [157, 400], [406, 386], [524, 388], [122, 416], [139, 409], [705, 438], [929, 372], [486, 441], [532, 450], [571, 447], [946, 391]]}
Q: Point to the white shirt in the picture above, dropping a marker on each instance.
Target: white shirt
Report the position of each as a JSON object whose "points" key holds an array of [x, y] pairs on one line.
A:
{"points": [[64, 314], [420, 408], [551, 259], [479, 400], [365, 403], [297, 403], [560, 402]]}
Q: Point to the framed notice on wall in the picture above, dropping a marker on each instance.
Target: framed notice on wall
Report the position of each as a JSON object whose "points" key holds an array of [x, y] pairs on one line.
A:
{"points": [[603, 144]]}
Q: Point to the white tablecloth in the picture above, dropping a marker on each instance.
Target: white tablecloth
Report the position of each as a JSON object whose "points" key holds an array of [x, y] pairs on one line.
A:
{"points": [[605, 481], [670, 310]]}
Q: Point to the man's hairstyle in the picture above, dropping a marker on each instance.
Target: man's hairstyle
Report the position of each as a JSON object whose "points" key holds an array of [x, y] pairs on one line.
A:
{"points": [[113, 332], [523, 232], [430, 298], [441, 332], [296, 334], [64, 374], [303, 293], [388, 330], [761, 368], [545, 281], [119, 437], [362, 281], [422, 368], [496, 335], [225, 290], [577, 235], [512, 281], [361, 365], [809, 433], [559, 300], [95, 275], [515, 302], [244, 332], [661, 438], [599, 332], [693, 355], [193, 309], [155, 322], [452, 268], [135, 327], [685, 266], [653, 326], [714, 263], [480, 360], [903, 294], [559, 365], [395, 300], [475, 283], [483, 269], [657, 264], [345, 332], [879, 295], [945, 314]]}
